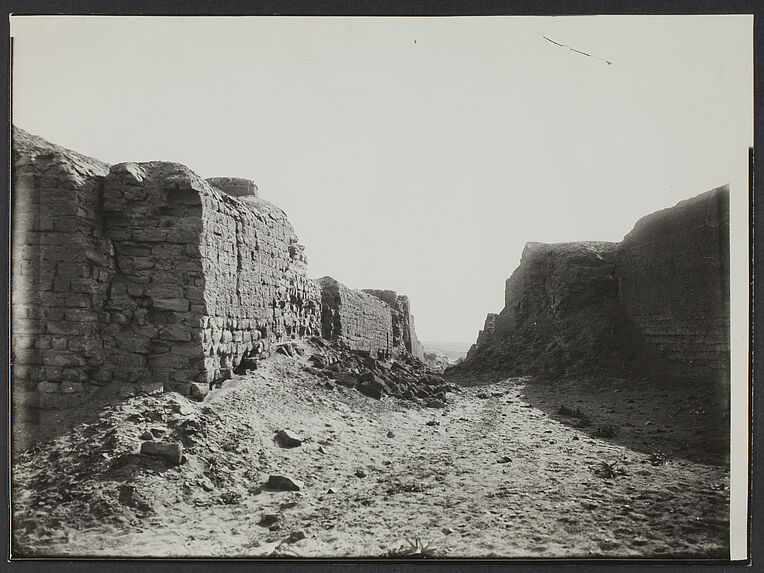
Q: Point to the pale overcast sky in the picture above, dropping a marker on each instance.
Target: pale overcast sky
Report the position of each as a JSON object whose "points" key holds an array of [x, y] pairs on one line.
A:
{"points": [[413, 154]]}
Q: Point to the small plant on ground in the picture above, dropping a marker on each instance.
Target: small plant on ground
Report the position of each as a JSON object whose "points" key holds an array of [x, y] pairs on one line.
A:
{"points": [[609, 470], [400, 487], [605, 431], [659, 458], [578, 414], [414, 550]]}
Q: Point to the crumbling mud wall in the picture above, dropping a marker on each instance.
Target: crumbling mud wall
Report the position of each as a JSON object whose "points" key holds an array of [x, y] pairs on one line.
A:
{"points": [[62, 264], [404, 331], [143, 277], [485, 336], [235, 186], [673, 279], [658, 299], [358, 319], [202, 276]]}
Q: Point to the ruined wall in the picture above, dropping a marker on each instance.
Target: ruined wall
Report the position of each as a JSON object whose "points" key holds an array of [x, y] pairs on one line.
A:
{"points": [[358, 319], [660, 297], [256, 279], [144, 276], [485, 336], [417, 349], [203, 276], [561, 312], [156, 297], [61, 267], [673, 277], [404, 331], [235, 186]]}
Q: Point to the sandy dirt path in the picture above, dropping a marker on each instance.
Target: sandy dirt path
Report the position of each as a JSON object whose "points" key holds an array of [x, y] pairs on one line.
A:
{"points": [[489, 476]]}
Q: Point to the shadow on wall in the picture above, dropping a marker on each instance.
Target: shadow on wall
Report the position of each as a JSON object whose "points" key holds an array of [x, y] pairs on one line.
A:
{"points": [[631, 309]]}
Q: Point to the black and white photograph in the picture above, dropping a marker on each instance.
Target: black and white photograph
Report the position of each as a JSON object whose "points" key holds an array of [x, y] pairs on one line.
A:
{"points": [[389, 288]]}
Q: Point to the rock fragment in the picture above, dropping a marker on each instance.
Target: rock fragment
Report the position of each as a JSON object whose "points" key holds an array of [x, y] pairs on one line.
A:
{"points": [[295, 536], [287, 440], [268, 519], [371, 388], [170, 451], [284, 483], [346, 379]]}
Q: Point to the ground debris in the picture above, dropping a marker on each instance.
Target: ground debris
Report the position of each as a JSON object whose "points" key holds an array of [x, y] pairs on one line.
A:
{"points": [[287, 440], [170, 451], [91, 493], [285, 483]]}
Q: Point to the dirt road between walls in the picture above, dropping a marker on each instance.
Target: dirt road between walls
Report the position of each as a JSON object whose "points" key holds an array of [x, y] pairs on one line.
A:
{"points": [[488, 476]]}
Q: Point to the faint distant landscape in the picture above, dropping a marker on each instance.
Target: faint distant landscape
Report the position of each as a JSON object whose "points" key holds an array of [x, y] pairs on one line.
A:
{"points": [[451, 350]]}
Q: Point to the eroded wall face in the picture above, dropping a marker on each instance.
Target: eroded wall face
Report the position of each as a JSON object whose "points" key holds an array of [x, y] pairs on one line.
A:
{"points": [[673, 276], [358, 319], [403, 324], [143, 277], [404, 333], [256, 285], [61, 266], [662, 294], [156, 303], [202, 276], [485, 336]]}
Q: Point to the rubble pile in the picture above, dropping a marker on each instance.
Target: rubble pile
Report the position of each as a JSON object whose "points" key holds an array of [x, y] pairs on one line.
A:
{"points": [[403, 377]]}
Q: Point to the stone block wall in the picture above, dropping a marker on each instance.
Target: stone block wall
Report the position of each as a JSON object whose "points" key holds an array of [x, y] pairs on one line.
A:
{"points": [[358, 319], [673, 279]]}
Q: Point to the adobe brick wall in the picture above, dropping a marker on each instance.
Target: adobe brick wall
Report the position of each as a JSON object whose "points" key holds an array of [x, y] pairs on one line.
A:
{"points": [[356, 318], [205, 275], [659, 297], [485, 336], [404, 331], [143, 277], [61, 267], [673, 279], [235, 186]]}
